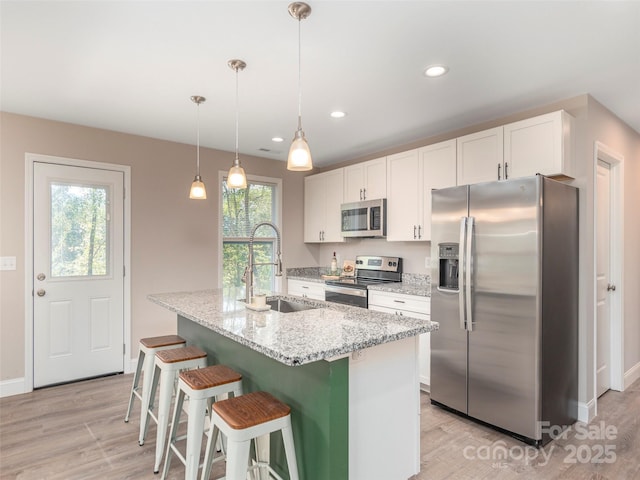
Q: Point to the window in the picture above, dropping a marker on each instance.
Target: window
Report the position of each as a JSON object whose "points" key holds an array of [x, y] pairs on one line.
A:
{"points": [[79, 230], [241, 210]]}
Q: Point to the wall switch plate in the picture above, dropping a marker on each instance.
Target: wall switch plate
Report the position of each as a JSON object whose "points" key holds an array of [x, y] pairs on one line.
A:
{"points": [[7, 263], [427, 262]]}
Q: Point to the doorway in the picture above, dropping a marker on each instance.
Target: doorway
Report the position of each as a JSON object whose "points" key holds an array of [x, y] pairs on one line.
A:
{"points": [[609, 320], [79, 245]]}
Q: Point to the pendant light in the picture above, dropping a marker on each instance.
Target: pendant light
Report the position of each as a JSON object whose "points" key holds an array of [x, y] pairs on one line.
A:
{"points": [[236, 177], [198, 192], [299, 154]]}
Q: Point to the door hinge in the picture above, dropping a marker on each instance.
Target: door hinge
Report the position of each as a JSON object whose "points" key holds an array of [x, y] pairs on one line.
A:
{"points": [[124, 271], [124, 348]]}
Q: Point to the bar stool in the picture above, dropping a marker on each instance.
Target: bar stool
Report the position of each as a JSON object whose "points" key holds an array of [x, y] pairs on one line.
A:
{"points": [[146, 361], [200, 386], [245, 418], [169, 363]]}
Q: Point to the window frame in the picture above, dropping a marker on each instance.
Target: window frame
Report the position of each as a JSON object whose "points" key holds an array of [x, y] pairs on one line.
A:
{"points": [[277, 217]]}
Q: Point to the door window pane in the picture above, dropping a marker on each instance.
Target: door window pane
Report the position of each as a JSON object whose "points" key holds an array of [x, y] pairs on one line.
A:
{"points": [[79, 230]]}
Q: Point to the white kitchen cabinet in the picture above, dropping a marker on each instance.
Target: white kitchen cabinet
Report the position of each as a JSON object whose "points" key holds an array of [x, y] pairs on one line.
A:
{"points": [[403, 196], [365, 180], [437, 169], [413, 306], [302, 288], [323, 194], [411, 176], [480, 156], [542, 144]]}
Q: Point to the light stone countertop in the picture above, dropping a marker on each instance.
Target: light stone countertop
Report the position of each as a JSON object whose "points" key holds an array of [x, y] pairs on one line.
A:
{"points": [[296, 338], [412, 284]]}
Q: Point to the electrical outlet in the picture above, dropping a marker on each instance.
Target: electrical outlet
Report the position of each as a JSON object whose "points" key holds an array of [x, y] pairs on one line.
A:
{"points": [[427, 262], [357, 356]]}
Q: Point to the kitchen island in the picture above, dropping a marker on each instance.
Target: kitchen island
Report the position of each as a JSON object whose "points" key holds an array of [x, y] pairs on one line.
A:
{"points": [[350, 376]]}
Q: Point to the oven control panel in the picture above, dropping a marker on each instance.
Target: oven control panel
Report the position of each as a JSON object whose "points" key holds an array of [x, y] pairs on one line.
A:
{"points": [[385, 264]]}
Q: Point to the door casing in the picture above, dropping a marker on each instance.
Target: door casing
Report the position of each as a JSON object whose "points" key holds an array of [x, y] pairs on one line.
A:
{"points": [[616, 162], [30, 159]]}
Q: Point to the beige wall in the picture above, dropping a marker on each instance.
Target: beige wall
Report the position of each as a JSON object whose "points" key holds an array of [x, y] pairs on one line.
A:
{"points": [[174, 240]]}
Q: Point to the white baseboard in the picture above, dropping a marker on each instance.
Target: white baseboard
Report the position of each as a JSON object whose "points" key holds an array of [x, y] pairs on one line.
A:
{"points": [[631, 375], [587, 411], [15, 386]]}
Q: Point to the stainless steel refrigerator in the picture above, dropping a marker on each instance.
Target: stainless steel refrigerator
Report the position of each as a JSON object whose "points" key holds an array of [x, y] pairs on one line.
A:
{"points": [[505, 292]]}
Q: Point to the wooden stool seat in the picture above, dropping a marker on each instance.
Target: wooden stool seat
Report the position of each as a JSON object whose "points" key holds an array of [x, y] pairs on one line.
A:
{"points": [[200, 387], [146, 358], [163, 341], [251, 409], [209, 377], [180, 355]]}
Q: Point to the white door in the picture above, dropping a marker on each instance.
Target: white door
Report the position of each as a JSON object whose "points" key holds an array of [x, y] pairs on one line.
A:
{"points": [[603, 283], [78, 262]]}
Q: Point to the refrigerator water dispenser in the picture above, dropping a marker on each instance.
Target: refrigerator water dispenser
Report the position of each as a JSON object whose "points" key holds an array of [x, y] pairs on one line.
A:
{"points": [[448, 258]]}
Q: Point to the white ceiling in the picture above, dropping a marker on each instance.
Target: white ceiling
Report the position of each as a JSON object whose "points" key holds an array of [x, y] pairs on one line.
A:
{"points": [[131, 66]]}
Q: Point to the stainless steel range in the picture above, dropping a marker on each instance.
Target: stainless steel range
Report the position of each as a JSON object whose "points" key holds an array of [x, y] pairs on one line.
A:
{"points": [[370, 270]]}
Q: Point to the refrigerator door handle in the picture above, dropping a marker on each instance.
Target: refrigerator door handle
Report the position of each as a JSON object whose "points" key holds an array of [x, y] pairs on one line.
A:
{"points": [[468, 271], [461, 275]]}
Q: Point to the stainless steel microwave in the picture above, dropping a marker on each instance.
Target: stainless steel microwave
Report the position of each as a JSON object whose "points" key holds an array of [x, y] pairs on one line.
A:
{"points": [[364, 219]]}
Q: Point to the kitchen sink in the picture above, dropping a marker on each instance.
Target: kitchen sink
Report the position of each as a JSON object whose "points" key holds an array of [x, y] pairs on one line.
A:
{"points": [[285, 306]]}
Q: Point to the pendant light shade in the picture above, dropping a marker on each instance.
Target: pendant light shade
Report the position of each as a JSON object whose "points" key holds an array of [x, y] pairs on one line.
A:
{"points": [[236, 177], [198, 190], [299, 154]]}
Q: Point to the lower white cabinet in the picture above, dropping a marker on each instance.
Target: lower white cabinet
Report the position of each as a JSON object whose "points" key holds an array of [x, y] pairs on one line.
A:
{"points": [[413, 306], [301, 288]]}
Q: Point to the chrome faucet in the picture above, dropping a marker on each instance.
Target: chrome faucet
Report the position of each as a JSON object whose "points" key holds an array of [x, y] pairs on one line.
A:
{"points": [[247, 278]]}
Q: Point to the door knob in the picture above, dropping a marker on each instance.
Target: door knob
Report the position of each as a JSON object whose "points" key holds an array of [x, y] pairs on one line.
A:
{"points": [[611, 288], [41, 292], [41, 276]]}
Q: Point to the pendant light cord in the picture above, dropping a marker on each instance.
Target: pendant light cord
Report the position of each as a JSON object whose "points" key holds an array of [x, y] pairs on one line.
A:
{"points": [[299, 76], [237, 116], [198, 143]]}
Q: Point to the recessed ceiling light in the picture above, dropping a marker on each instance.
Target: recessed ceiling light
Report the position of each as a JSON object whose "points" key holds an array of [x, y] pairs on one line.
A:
{"points": [[277, 139], [436, 70], [338, 114]]}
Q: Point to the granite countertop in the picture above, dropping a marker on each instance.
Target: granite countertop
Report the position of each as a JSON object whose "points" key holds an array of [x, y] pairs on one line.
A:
{"points": [[295, 338], [411, 284]]}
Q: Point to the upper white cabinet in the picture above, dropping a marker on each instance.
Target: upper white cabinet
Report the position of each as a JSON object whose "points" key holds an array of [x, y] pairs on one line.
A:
{"points": [[542, 144], [403, 196], [480, 156], [410, 178], [366, 180], [323, 194], [438, 170]]}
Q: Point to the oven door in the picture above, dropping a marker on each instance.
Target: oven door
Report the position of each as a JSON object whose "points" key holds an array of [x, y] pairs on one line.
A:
{"points": [[356, 297]]}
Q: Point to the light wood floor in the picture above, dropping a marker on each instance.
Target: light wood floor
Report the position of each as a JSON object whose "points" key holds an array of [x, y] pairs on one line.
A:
{"points": [[77, 431]]}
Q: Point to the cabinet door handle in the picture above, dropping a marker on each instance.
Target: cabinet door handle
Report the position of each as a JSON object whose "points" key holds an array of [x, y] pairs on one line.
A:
{"points": [[364, 193], [506, 171], [360, 194], [323, 235], [498, 171], [414, 232], [320, 235], [398, 301], [419, 232]]}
